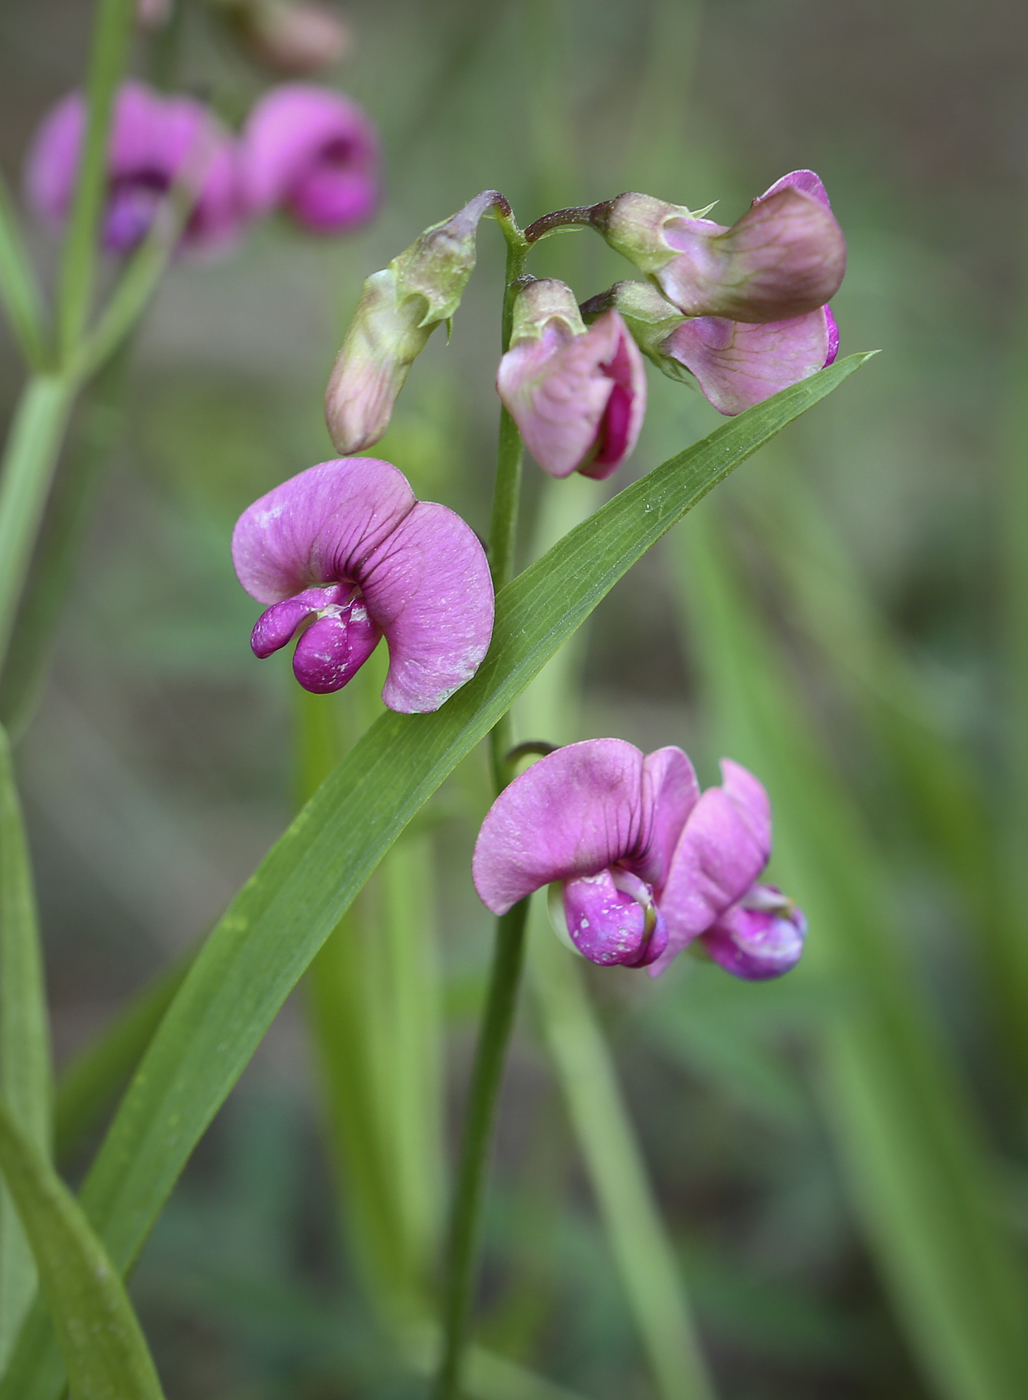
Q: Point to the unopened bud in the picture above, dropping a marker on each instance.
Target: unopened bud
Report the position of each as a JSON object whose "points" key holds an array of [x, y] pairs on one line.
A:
{"points": [[577, 395], [152, 14], [634, 225], [541, 302], [292, 39], [784, 258], [399, 309]]}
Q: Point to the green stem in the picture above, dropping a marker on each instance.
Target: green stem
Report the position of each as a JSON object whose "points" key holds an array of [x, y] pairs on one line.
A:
{"points": [[505, 977], [503, 527], [509, 947], [111, 39], [27, 472]]}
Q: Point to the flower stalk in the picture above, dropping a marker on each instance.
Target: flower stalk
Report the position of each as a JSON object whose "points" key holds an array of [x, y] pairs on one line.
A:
{"points": [[509, 946]]}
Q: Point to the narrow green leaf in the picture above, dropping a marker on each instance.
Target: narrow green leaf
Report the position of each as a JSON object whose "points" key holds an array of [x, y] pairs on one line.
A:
{"points": [[104, 1349], [284, 913], [19, 287], [920, 1178], [25, 1083]]}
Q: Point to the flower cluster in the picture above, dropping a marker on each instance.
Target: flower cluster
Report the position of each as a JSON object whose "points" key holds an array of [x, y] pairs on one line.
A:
{"points": [[740, 312], [646, 864], [305, 150]]}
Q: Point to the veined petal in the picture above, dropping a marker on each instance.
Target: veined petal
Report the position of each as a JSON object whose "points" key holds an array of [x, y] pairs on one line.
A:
{"points": [[427, 586], [805, 180], [318, 527], [578, 400], [725, 844], [738, 364], [785, 257], [573, 813]]}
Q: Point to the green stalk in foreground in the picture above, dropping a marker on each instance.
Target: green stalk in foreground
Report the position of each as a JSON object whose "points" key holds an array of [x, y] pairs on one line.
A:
{"points": [[509, 947], [103, 1345]]}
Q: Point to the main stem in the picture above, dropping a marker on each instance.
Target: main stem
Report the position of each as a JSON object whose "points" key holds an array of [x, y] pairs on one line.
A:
{"points": [[503, 527], [509, 948]]}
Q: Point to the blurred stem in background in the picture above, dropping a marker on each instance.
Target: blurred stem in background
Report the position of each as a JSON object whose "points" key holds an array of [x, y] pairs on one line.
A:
{"points": [[1012, 581], [68, 513], [922, 1184], [928, 770]]}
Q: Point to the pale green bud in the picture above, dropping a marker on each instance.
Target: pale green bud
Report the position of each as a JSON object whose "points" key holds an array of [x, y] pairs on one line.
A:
{"points": [[399, 309]]}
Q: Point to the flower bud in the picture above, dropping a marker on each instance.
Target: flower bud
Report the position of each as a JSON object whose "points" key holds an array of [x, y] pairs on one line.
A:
{"points": [[784, 258], [292, 39], [383, 341], [578, 396], [399, 309]]}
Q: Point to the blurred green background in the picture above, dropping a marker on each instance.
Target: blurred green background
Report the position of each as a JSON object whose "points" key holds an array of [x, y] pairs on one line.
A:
{"points": [[845, 615]]}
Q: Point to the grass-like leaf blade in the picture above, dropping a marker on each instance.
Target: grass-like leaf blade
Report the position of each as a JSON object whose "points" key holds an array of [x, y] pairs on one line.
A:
{"points": [[104, 1349]]}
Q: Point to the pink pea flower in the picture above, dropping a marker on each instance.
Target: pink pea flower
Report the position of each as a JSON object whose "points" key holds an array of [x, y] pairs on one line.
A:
{"points": [[784, 258], [155, 141], [739, 363], [345, 554], [313, 152], [647, 864], [577, 395], [735, 364]]}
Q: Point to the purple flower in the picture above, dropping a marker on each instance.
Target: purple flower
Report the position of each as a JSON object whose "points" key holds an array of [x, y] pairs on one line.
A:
{"points": [[578, 396], [784, 258], [739, 363], [154, 141], [646, 863], [345, 554], [736, 364], [313, 152]]}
